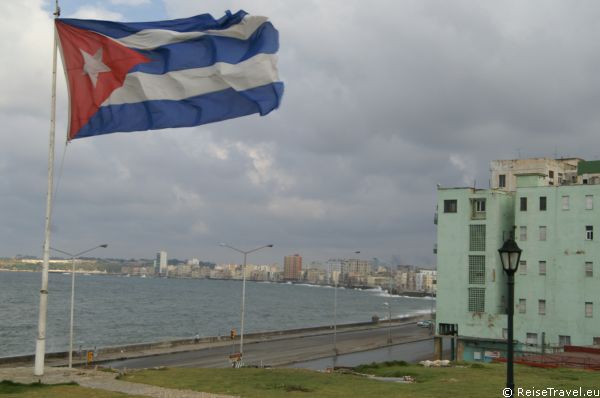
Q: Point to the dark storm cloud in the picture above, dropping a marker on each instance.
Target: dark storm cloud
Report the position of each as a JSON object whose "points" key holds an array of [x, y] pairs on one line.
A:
{"points": [[383, 100]]}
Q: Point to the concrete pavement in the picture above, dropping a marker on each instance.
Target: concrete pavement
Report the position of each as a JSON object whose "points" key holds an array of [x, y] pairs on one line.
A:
{"points": [[99, 380], [283, 351]]}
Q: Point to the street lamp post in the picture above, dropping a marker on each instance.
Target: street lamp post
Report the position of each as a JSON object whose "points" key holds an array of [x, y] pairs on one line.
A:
{"points": [[389, 307], [335, 289], [245, 253], [73, 258], [510, 254]]}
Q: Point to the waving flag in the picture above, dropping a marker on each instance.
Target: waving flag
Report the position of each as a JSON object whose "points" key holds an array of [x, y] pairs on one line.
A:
{"points": [[152, 75]]}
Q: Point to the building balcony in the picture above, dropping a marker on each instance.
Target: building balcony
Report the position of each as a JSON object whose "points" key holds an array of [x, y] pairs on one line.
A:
{"points": [[478, 215]]}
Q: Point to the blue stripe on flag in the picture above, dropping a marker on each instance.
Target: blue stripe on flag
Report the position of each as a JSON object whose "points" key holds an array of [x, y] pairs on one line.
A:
{"points": [[206, 50], [207, 108], [197, 23]]}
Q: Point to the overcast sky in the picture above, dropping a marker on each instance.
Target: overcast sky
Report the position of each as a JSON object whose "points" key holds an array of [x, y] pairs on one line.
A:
{"points": [[384, 99]]}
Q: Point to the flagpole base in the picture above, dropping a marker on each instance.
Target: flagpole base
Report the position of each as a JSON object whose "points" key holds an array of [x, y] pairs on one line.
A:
{"points": [[40, 350]]}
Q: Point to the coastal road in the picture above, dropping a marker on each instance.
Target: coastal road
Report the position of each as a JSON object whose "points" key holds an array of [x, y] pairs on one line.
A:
{"points": [[282, 351]]}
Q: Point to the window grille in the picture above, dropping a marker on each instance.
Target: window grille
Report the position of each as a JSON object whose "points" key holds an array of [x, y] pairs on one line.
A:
{"points": [[476, 299], [477, 270], [564, 340], [477, 238]]}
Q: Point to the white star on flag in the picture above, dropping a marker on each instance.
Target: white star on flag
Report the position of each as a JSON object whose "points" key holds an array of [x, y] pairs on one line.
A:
{"points": [[93, 65]]}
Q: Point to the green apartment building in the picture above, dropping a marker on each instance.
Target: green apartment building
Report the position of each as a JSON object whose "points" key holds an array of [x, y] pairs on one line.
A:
{"points": [[553, 207]]}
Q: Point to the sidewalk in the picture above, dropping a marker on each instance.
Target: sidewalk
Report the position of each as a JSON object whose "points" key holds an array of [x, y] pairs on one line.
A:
{"points": [[98, 380]]}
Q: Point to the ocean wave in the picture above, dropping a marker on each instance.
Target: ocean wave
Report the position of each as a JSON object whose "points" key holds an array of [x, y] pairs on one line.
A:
{"points": [[413, 313], [310, 285], [380, 292]]}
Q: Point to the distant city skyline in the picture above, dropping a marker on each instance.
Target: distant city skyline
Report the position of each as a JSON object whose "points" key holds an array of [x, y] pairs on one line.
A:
{"points": [[322, 262]]}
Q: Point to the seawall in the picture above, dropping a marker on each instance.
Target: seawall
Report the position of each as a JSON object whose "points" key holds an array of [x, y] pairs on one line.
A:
{"points": [[191, 344]]}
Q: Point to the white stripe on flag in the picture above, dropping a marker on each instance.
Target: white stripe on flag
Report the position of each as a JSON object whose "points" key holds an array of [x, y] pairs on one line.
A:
{"points": [[149, 39], [254, 72]]}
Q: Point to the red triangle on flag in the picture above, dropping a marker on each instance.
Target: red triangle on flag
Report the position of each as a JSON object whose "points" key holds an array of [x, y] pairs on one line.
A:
{"points": [[95, 66]]}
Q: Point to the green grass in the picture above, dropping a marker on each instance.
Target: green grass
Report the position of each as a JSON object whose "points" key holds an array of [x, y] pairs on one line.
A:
{"points": [[466, 380], [8, 389]]}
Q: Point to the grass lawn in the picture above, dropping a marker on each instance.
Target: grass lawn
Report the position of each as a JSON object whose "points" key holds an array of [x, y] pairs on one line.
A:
{"points": [[35, 390], [467, 381]]}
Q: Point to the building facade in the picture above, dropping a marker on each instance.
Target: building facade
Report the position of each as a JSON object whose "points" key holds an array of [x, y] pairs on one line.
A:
{"points": [[551, 211], [292, 268], [160, 263]]}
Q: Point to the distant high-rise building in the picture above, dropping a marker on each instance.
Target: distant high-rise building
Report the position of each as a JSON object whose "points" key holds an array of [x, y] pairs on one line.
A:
{"points": [[292, 267], [356, 266], [161, 263]]}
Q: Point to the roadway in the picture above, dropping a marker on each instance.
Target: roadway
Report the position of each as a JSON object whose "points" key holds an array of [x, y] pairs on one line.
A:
{"points": [[287, 350]]}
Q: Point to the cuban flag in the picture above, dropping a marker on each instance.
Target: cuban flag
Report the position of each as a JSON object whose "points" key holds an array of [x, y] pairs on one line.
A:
{"points": [[152, 75]]}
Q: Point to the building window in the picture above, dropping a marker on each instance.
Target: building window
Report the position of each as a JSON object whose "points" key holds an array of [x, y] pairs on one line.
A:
{"points": [[542, 203], [523, 205], [477, 238], [589, 269], [596, 341], [589, 202], [478, 208], [476, 299], [523, 267], [502, 180], [565, 202], [531, 338], [522, 233], [542, 307], [564, 340], [450, 206], [542, 265], [522, 306], [589, 309], [542, 232], [477, 270], [589, 232], [479, 205], [550, 173]]}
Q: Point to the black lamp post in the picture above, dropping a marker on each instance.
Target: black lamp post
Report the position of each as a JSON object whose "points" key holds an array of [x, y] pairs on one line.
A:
{"points": [[510, 254]]}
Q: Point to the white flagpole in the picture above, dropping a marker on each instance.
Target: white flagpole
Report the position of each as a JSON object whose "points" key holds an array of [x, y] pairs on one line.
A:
{"points": [[40, 346]]}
